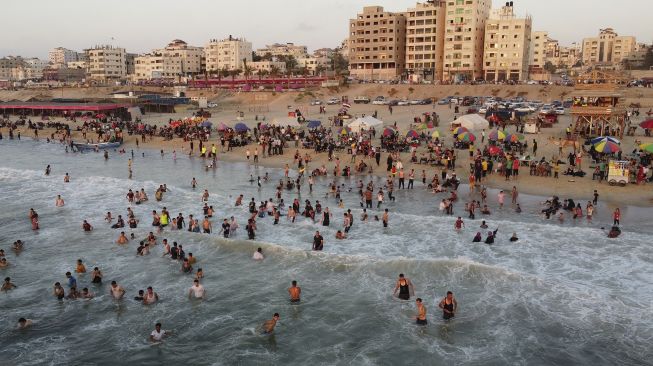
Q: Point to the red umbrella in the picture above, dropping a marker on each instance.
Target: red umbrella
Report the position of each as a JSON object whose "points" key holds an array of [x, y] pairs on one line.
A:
{"points": [[647, 124], [494, 150]]}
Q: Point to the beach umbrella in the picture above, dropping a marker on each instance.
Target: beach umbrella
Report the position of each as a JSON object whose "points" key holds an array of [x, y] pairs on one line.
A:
{"points": [[222, 126], [240, 127], [207, 124], [514, 137], [496, 135], [263, 126], [494, 150], [314, 124], [648, 147], [648, 124], [607, 147], [596, 140], [387, 132], [435, 134], [422, 126], [466, 137], [344, 131], [413, 134], [459, 130]]}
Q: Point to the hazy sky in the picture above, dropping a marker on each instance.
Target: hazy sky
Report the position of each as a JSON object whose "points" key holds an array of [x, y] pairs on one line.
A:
{"points": [[32, 27]]}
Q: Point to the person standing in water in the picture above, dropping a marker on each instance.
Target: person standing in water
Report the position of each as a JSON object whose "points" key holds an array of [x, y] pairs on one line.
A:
{"points": [[421, 312], [268, 326], [294, 291], [405, 288], [448, 306]]}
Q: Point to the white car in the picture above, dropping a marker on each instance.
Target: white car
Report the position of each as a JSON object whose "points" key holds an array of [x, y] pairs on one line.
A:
{"points": [[333, 101], [415, 101], [379, 101], [482, 110], [403, 102], [560, 110], [316, 102]]}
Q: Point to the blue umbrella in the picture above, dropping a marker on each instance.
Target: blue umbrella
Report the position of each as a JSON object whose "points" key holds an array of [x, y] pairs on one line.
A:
{"points": [[240, 127], [599, 139], [314, 124], [206, 124]]}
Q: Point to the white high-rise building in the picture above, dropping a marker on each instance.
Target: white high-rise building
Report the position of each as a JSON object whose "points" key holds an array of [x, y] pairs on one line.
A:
{"points": [[60, 56], [227, 54], [107, 62]]}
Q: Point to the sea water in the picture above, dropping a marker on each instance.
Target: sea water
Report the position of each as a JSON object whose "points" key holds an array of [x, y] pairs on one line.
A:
{"points": [[563, 294]]}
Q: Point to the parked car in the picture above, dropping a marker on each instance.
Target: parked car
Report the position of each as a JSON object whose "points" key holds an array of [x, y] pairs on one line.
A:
{"points": [[393, 102], [363, 100], [560, 110], [416, 101], [444, 101], [316, 102], [380, 100], [403, 102], [333, 101], [426, 101], [211, 105]]}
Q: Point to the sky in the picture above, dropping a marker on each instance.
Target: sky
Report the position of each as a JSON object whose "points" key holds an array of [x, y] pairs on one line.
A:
{"points": [[31, 28]]}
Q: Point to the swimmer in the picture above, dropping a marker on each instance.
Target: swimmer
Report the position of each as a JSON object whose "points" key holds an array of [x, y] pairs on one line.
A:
{"points": [[7, 285], [140, 296], [420, 319], [477, 238], [108, 218], [514, 237], [268, 326], [150, 296], [483, 225], [96, 276], [199, 274], [196, 290], [158, 333], [459, 224], [448, 306], [193, 183], [340, 235], [24, 323], [258, 255], [294, 292], [59, 202], [405, 288], [116, 291], [122, 239], [3, 263], [80, 267], [86, 226], [59, 292], [86, 294], [66, 178], [18, 246]]}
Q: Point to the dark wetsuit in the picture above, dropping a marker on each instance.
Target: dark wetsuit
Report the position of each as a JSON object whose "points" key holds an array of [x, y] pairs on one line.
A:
{"points": [[404, 292], [448, 307]]}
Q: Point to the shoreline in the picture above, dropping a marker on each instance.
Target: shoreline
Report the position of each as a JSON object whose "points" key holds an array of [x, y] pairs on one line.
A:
{"points": [[576, 188]]}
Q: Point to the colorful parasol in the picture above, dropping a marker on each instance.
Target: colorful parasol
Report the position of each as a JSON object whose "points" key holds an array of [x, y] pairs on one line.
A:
{"points": [[648, 147], [222, 126], [648, 124], [496, 135], [459, 130], [494, 150], [514, 137], [413, 134], [607, 147], [467, 137], [387, 132], [435, 134], [596, 140], [344, 131]]}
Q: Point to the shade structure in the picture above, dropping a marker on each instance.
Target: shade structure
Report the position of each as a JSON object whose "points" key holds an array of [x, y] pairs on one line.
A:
{"points": [[413, 134], [514, 137], [607, 147], [472, 122], [435, 134], [314, 124], [285, 121], [467, 137], [387, 132], [496, 135], [648, 124], [222, 126], [241, 127], [648, 147], [596, 140], [365, 123], [459, 130]]}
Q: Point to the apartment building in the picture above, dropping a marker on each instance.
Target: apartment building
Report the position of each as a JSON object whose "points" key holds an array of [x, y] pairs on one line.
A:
{"points": [[156, 65], [190, 58], [425, 40], [539, 41], [8, 64], [62, 56], [283, 49], [607, 49], [464, 32], [313, 63], [107, 62], [227, 54], [636, 58], [506, 43], [268, 66], [377, 44]]}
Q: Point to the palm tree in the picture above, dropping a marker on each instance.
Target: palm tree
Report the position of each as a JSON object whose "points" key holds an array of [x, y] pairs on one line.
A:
{"points": [[274, 71], [289, 74], [223, 73], [260, 73], [247, 70], [234, 73], [319, 69]]}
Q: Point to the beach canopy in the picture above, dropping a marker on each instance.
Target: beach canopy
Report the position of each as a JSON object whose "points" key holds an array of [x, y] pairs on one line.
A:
{"points": [[599, 139], [364, 123], [496, 135], [285, 121], [314, 124], [607, 147], [648, 124], [472, 122], [241, 127]]}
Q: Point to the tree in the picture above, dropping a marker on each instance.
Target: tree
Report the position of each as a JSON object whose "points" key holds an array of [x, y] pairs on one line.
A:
{"points": [[234, 73], [274, 71], [319, 69], [550, 67], [261, 73], [223, 73], [290, 60], [247, 70], [255, 57], [338, 62]]}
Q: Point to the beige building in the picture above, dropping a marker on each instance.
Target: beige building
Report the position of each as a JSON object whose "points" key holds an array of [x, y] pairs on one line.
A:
{"points": [[285, 49], [62, 56], [539, 41], [190, 58], [608, 49], [77, 65], [16, 68], [267, 66], [377, 44], [107, 62], [313, 63], [464, 33], [507, 45], [227, 54], [156, 66], [425, 40], [636, 58]]}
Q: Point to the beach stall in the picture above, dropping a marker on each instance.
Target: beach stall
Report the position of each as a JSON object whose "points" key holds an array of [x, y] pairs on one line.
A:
{"points": [[618, 173], [364, 123], [472, 122], [285, 121]]}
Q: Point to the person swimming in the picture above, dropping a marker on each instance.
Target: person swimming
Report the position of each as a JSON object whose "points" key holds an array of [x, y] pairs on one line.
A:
{"points": [[514, 237], [404, 286], [477, 238], [268, 326]]}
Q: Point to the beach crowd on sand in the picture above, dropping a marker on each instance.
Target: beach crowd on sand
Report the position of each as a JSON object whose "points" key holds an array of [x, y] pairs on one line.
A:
{"points": [[313, 160]]}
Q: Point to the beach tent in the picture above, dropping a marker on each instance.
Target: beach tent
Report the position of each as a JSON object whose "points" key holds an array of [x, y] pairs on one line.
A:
{"points": [[285, 121], [530, 127], [364, 123], [472, 122]]}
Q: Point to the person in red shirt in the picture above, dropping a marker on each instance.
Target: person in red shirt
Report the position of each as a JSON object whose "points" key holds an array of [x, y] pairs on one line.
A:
{"points": [[616, 216]]}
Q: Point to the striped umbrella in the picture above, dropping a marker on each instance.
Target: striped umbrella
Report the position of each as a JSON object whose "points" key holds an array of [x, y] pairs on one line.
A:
{"points": [[496, 135], [435, 134], [459, 130], [514, 137], [494, 150], [648, 147], [596, 140], [607, 147], [387, 132], [413, 134], [467, 137], [422, 126]]}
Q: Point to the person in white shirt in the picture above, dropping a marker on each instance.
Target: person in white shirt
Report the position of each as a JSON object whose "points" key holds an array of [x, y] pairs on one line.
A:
{"points": [[196, 290], [158, 333], [258, 255]]}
